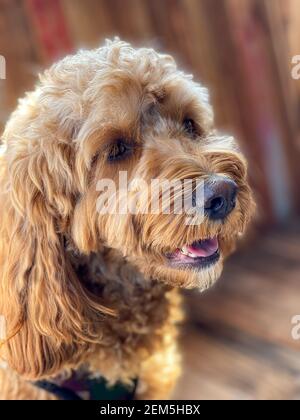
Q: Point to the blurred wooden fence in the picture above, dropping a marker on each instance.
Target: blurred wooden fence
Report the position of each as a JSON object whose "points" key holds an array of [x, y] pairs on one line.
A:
{"points": [[241, 49]]}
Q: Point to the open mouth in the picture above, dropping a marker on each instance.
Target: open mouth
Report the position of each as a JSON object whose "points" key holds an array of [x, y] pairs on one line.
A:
{"points": [[200, 254]]}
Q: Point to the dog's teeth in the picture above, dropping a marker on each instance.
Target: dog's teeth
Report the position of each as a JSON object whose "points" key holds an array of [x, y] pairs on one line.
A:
{"points": [[185, 252]]}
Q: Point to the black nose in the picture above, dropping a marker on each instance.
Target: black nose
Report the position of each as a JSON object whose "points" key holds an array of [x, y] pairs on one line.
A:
{"points": [[219, 197]]}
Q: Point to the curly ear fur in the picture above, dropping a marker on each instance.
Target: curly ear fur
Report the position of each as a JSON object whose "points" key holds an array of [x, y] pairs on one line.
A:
{"points": [[50, 318]]}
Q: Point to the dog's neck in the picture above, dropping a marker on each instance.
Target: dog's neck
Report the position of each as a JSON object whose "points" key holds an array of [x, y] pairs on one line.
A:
{"points": [[109, 269], [141, 306]]}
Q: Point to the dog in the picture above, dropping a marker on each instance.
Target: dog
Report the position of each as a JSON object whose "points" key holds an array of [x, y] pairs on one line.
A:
{"points": [[98, 292]]}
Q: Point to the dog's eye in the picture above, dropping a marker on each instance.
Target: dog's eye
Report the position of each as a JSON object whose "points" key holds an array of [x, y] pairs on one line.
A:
{"points": [[119, 150], [190, 127]]}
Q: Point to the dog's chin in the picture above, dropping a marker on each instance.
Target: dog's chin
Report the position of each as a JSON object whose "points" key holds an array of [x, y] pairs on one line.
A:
{"points": [[197, 276], [206, 277]]}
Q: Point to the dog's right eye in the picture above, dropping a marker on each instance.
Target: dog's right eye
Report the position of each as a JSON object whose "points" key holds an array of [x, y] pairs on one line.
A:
{"points": [[119, 150], [190, 127]]}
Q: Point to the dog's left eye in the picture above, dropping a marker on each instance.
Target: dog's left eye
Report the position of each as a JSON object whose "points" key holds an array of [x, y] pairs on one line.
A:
{"points": [[190, 127], [119, 150]]}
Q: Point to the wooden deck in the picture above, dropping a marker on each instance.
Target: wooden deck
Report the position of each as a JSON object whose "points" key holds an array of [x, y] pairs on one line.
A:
{"points": [[238, 344]]}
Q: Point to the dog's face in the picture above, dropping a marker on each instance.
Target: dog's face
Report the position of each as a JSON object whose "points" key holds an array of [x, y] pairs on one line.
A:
{"points": [[147, 121]]}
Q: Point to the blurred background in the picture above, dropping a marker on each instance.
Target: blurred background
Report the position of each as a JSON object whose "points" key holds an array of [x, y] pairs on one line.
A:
{"points": [[237, 342]]}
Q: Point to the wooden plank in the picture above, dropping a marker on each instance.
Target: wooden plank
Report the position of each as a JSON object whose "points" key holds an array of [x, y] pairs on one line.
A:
{"points": [[230, 368], [49, 29], [89, 22], [21, 59]]}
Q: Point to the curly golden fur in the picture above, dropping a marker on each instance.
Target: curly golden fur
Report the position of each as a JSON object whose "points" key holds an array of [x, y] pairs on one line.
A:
{"points": [[79, 288]]}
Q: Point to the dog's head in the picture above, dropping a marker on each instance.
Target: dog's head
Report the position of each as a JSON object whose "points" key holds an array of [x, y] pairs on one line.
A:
{"points": [[159, 183], [120, 130]]}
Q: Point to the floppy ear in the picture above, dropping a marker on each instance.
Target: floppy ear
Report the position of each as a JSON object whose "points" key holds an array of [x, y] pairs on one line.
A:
{"points": [[50, 318]]}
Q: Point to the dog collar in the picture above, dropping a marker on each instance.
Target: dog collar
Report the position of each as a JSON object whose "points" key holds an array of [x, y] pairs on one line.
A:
{"points": [[83, 387]]}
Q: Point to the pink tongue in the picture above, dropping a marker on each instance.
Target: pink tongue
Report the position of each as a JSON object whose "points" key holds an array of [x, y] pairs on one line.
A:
{"points": [[204, 248]]}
